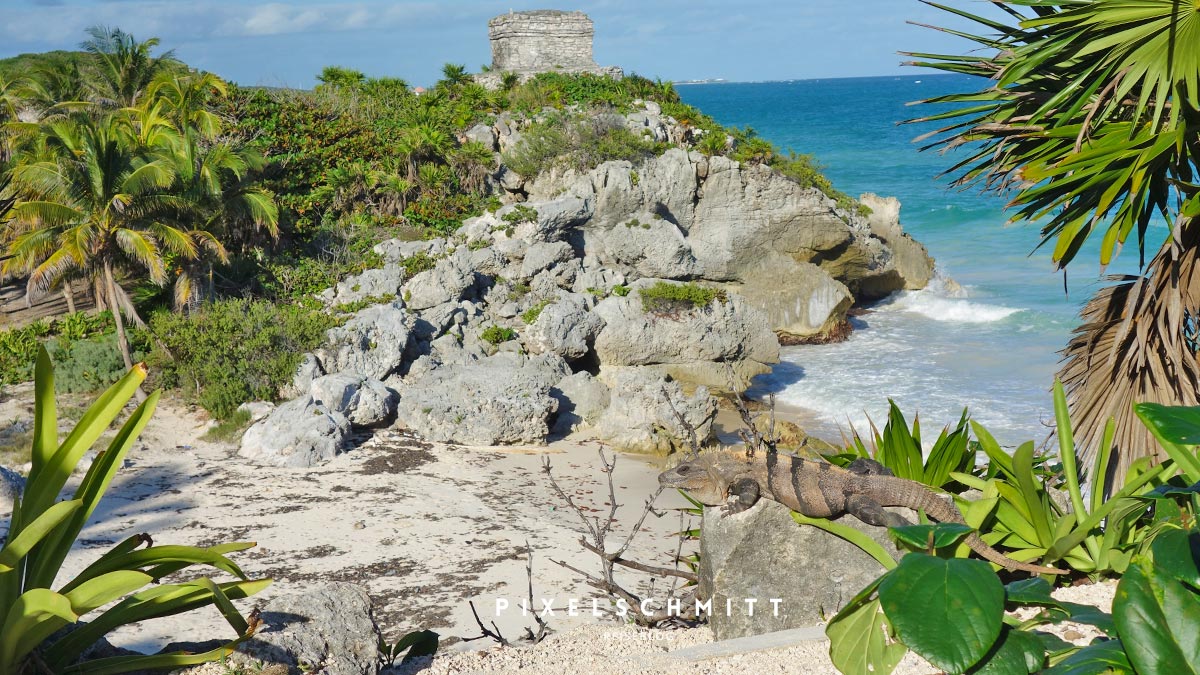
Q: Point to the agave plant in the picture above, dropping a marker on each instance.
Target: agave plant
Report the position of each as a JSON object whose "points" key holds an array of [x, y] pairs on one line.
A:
{"points": [[122, 586]]}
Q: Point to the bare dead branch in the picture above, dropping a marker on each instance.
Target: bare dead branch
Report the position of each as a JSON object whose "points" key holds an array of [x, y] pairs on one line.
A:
{"points": [[493, 633], [688, 427]]}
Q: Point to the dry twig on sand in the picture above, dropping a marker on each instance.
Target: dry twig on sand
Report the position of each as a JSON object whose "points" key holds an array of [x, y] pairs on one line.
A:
{"points": [[595, 540]]}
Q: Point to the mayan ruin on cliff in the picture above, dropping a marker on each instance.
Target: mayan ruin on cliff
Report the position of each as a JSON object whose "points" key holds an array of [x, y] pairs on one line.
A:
{"points": [[538, 41]]}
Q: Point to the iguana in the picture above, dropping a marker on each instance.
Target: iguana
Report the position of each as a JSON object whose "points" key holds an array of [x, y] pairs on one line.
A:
{"points": [[821, 490]]}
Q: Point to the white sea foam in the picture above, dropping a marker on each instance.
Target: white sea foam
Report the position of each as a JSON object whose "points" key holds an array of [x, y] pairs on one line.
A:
{"points": [[941, 308]]}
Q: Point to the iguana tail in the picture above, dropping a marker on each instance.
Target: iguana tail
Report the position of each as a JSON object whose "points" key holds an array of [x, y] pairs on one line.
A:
{"points": [[891, 491]]}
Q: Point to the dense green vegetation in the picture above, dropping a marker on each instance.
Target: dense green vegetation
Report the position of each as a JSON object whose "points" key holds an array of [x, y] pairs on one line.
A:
{"points": [[665, 297], [1144, 532], [274, 195]]}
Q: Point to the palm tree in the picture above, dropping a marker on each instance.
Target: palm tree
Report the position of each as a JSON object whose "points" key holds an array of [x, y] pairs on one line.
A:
{"points": [[455, 74], [121, 69], [1091, 115], [472, 162], [103, 204], [185, 99], [215, 181]]}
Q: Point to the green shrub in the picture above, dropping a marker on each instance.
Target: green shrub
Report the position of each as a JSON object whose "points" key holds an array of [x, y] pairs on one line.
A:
{"points": [[417, 263], [234, 351], [664, 297], [620, 290], [497, 334], [87, 365], [530, 316], [577, 143], [124, 586], [520, 214], [19, 346], [357, 305], [229, 430]]}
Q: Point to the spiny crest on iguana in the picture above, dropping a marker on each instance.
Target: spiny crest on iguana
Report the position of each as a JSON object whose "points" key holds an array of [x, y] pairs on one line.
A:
{"points": [[819, 489]]}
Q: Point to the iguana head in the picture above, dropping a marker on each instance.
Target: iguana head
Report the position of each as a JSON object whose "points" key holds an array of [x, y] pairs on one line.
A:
{"points": [[706, 478]]}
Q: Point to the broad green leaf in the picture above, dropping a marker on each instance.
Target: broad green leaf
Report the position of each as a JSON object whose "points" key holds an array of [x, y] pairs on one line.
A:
{"points": [[105, 589], [160, 662], [1158, 620], [1015, 653], [45, 419], [1033, 591], [858, 642], [418, 643], [45, 486], [1098, 658], [33, 618], [1175, 554], [948, 611], [852, 535], [927, 537], [50, 557], [34, 532], [1178, 430]]}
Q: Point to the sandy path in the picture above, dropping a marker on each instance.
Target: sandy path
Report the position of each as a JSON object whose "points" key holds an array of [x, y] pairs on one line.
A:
{"points": [[423, 527]]}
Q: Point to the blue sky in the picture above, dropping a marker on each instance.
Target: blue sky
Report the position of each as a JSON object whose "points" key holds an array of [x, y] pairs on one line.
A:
{"points": [[286, 42]]}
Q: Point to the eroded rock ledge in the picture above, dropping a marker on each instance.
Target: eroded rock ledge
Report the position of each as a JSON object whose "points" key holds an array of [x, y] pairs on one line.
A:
{"points": [[532, 322]]}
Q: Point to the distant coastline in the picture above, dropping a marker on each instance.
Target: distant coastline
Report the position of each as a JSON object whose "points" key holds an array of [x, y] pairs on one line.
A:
{"points": [[917, 76]]}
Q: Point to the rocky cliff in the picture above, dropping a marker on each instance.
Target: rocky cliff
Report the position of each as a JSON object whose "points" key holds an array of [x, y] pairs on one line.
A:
{"points": [[613, 299]]}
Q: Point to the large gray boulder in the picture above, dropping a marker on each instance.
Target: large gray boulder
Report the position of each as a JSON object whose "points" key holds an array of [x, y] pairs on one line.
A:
{"points": [[582, 399], [371, 343], [394, 250], [544, 255], [698, 345], [762, 553], [300, 433], [566, 327], [502, 399], [647, 244], [639, 415], [800, 300], [326, 630], [363, 400], [384, 282], [450, 280]]}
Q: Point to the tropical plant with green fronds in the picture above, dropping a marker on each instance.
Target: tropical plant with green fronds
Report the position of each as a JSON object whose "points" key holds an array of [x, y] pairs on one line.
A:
{"points": [[1090, 118], [121, 69], [100, 205], [899, 449], [124, 586]]}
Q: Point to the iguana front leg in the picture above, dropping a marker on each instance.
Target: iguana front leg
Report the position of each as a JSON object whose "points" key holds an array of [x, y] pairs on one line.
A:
{"points": [[871, 513], [743, 494]]}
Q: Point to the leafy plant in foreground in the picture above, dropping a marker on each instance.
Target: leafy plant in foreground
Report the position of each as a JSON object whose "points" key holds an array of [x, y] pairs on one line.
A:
{"points": [[900, 450], [953, 613], [42, 532]]}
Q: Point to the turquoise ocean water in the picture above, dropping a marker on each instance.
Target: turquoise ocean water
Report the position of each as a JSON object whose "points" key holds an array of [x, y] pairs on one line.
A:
{"points": [[993, 348]]}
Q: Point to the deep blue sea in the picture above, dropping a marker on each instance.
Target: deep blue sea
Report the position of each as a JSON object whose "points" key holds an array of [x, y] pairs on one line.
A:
{"points": [[992, 349]]}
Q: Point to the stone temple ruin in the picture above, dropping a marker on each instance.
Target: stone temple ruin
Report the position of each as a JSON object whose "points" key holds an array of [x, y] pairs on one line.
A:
{"points": [[539, 41]]}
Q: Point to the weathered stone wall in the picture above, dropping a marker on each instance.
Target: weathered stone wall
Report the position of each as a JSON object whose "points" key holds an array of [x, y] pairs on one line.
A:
{"points": [[543, 40]]}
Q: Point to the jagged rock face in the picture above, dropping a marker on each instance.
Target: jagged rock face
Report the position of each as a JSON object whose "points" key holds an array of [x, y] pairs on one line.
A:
{"points": [[372, 343], [800, 299], [714, 219], [364, 401], [701, 345], [498, 400], [566, 327], [582, 399], [639, 417]]}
